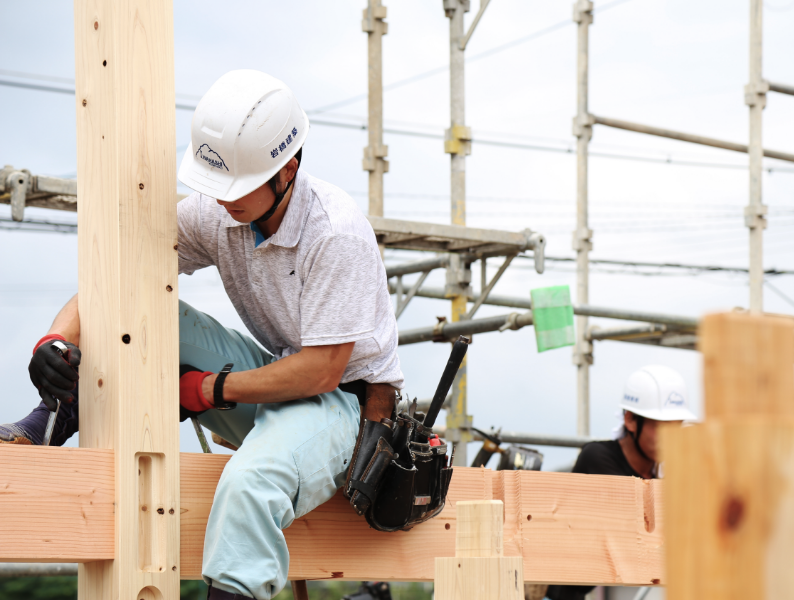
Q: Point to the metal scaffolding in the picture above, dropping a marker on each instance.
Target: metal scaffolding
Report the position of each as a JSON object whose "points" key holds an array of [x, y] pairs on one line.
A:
{"points": [[456, 247]]}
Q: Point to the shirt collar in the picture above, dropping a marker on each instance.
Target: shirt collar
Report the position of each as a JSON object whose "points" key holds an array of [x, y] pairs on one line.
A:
{"points": [[289, 232]]}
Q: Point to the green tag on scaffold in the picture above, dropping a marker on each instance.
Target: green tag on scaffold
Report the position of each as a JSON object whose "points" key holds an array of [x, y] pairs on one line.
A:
{"points": [[552, 313]]}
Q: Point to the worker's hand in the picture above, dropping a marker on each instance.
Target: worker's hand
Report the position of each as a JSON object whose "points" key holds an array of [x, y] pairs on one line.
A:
{"points": [[52, 375], [191, 400]]}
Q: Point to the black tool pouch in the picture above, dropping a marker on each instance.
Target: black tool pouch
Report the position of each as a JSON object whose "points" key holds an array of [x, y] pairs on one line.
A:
{"points": [[371, 457], [410, 488]]}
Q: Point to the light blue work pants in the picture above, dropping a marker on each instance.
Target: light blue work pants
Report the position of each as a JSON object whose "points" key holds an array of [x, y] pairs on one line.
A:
{"points": [[293, 456]]}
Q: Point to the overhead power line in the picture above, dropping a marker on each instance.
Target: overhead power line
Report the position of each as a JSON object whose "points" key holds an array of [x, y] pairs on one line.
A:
{"points": [[439, 136], [665, 265], [65, 227], [438, 70]]}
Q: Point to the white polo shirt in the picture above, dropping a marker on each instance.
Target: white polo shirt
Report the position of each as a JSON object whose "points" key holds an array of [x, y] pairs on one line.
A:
{"points": [[319, 280]]}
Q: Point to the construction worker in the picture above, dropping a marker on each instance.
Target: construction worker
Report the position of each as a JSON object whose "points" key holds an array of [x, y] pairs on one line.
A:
{"points": [[301, 265], [652, 395]]}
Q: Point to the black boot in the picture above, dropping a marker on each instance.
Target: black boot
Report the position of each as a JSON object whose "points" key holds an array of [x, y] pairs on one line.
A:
{"points": [[216, 594], [371, 590]]}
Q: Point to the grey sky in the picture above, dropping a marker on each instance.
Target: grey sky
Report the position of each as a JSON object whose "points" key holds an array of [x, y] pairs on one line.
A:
{"points": [[671, 63]]}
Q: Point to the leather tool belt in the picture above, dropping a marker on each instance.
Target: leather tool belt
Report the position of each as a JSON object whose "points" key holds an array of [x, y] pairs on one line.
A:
{"points": [[396, 478]]}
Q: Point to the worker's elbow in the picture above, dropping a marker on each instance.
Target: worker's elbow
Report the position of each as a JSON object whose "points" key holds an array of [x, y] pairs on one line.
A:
{"points": [[329, 382]]}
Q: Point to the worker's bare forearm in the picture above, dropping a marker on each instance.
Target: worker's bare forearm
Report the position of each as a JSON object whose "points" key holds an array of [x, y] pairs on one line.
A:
{"points": [[67, 322], [314, 370]]}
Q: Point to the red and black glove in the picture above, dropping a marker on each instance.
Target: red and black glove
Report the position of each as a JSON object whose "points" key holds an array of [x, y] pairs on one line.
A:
{"points": [[54, 375], [191, 399]]}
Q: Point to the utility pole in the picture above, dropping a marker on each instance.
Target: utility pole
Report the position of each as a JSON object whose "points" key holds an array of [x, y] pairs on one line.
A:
{"points": [[582, 236], [458, 144], [754, 214], [375, 154]]}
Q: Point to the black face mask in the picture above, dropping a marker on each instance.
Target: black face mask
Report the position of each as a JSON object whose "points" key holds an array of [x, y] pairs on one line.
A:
{"points": [[280, 195]]}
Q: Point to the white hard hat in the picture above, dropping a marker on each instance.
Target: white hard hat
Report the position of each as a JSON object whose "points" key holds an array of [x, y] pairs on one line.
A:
{"points": [[657, 392], [245, 129]]}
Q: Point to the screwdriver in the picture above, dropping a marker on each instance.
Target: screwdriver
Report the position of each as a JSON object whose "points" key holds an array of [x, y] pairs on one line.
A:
{"points": [[61, 349]]}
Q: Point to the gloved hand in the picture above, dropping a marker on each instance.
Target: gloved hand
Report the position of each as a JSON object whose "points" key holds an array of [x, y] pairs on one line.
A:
{"points": [[52, 375], [191, 400]]}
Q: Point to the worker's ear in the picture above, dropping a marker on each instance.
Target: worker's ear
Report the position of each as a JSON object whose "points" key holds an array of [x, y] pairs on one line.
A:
{"points": [[630, 421], [288, 171]]}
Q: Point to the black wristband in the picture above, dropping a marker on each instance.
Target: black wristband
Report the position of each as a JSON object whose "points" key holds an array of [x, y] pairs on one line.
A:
{"points": [[217, 390]]}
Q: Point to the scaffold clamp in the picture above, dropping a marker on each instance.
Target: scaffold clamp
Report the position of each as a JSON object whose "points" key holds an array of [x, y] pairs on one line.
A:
{"points": [[438, 330], [583, 12], [583, 126], [16, 184], [755, 216], [582, 240], [371, 156], [372, 20], [755, 93], [457, 140]]}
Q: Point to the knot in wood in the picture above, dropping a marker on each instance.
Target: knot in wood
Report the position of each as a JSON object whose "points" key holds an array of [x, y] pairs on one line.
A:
{"points": [[733, 513]]}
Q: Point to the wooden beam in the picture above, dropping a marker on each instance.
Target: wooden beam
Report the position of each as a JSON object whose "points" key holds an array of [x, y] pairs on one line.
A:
{"points": [[729, 482], [587, 529], [57, 504], [128, 286]]}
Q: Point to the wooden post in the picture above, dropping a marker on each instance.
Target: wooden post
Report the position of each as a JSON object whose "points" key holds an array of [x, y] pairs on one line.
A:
{"points": [[127, 244], [479, 571], [729, 489]]}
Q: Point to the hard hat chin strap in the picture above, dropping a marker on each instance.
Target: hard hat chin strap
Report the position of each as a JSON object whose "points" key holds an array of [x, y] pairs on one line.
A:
{"points": [[280, 195], [636, 437]]}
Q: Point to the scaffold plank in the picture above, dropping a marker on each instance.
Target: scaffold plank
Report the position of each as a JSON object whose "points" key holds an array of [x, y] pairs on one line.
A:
{"points": [[416, 235]]}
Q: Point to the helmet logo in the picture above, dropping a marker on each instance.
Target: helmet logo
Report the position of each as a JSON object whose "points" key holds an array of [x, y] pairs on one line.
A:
{"points": [[291, 137], [675, 399], [213, 158], [628, 398]]}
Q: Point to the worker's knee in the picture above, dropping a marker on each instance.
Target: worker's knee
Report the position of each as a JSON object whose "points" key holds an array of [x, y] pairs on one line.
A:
{"points": [[257, 492], [206, 344]]}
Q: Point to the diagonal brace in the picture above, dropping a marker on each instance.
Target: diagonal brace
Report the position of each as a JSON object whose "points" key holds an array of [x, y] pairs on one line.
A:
{"points": [[465, 40], [403, 302], [487, 290]]}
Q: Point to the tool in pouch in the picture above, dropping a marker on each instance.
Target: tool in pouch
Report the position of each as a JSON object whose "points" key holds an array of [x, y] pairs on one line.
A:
{"points": [[399, 474], [61, 349]]}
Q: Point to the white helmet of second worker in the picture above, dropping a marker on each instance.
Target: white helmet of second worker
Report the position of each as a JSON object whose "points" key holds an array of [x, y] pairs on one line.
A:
{"points": [[245, 129], [657, 392]]}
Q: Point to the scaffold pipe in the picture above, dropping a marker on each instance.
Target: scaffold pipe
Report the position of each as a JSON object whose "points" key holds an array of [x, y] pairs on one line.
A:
{"points": [[585, 310], [38, 570], [686, 137], [535, 439]]}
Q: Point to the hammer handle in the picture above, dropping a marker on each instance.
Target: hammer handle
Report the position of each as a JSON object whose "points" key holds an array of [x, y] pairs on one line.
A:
{"points": [[453, 364]]}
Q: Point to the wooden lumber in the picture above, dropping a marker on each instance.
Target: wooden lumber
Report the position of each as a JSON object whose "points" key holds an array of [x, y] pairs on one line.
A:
{"points": [[479, 570], [729, 487], [56, 504], [127, 261], [587, 529], [742, 360]]}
